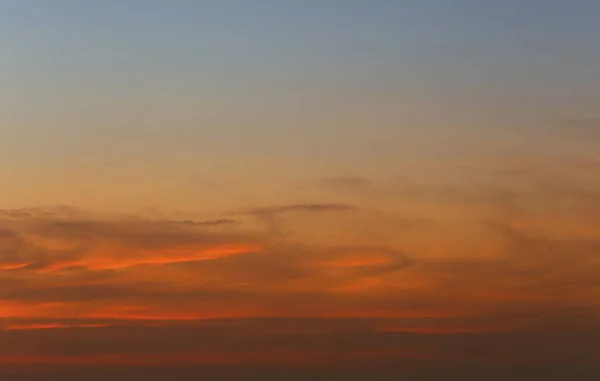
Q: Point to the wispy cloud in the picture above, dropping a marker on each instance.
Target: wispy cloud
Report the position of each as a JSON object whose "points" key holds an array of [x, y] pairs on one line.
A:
{"points": [[345, 182], [316, 208], [584, 123]]}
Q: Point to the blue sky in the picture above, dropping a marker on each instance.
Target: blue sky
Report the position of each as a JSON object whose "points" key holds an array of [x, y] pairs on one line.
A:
{"points": [[340, 85]]}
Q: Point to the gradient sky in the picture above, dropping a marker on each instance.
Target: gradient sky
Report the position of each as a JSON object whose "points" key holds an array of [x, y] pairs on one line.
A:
{"points": [[243, 190]]}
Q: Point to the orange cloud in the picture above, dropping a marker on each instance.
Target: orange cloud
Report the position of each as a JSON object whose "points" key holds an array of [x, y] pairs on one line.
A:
{"points": [[15, 266], [33, 326], [358, 261], [181, 254]]}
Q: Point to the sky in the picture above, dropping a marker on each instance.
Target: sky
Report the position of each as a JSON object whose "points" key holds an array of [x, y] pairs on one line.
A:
{"points": [[331, 190]]}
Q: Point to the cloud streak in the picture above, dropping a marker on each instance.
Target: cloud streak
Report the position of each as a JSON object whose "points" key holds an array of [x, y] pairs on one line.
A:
{"points": [[305, 208]]}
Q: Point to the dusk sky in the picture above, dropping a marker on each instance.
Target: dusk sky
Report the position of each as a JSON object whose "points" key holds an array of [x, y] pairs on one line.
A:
{"points": [[299, 190]]}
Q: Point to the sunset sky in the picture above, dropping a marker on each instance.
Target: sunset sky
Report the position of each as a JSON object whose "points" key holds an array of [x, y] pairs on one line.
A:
{"points": [[299, 190]]}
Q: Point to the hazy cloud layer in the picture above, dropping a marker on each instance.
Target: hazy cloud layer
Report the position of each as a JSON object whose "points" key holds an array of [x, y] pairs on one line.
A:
{"points": [[499, 266], [485, 286]]}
